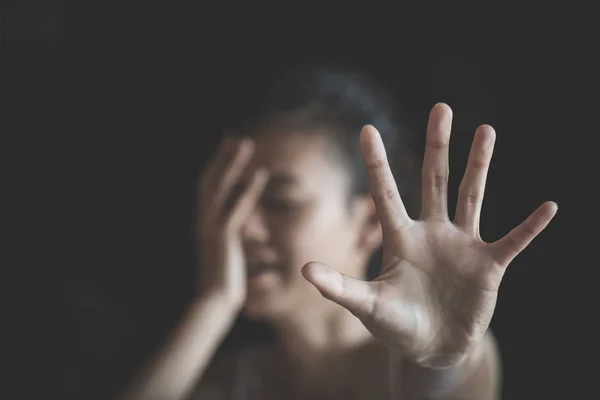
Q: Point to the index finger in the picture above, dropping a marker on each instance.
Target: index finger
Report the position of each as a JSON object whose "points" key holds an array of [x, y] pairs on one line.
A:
{"points": [[390, 208]]}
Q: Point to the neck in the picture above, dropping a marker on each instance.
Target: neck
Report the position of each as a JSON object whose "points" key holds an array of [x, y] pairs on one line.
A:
{"points": [[319, 336]]}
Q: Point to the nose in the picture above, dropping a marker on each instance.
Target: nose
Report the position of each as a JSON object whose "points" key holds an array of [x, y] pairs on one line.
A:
{"points": [[255, 228]]}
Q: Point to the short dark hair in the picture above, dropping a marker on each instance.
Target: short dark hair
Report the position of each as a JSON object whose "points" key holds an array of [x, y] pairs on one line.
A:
{"points": [[340, 101]]}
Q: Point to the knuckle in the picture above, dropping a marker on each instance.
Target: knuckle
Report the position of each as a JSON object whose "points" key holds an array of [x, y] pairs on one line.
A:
{"points": [[439, 180], [387, 194], [478, 164], [377, 163], [471, 198], [438, 144]]}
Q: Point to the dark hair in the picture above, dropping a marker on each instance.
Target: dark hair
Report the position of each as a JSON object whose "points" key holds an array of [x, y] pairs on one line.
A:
{"points": [[340, 101]]}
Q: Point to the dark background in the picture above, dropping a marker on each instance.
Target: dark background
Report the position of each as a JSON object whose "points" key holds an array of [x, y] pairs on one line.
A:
{"points": [[115, 125]]}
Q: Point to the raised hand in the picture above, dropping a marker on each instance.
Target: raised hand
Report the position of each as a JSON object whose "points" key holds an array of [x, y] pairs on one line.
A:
{"points": [[439, 281], [222, 213]]}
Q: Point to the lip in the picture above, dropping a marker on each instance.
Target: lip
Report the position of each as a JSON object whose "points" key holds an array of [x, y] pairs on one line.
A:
{"points": [[261, 279]]}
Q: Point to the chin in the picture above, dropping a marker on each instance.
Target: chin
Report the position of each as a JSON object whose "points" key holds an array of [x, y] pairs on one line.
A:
{"points": [[262, 308]]}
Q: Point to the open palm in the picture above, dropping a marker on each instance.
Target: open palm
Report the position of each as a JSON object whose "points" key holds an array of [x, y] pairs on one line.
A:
{"points": [[437, 290]]}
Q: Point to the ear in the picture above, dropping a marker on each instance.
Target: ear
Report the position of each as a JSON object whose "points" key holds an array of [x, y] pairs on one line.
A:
{"points": [[370, 234]]}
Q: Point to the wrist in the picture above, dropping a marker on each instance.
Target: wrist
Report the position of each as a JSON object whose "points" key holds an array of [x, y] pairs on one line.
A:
{"points": [[222, 300], [440, 374], [440, 361]]}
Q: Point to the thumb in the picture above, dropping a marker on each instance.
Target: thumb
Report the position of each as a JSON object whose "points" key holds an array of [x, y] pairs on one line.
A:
{"points": [[355, 295]]}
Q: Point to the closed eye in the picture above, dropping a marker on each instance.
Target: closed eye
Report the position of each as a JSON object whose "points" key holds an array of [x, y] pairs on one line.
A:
{"points": [[278, 205]]}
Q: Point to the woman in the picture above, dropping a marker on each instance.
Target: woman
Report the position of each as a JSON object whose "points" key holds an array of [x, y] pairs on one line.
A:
{"points": [[290, 215]]}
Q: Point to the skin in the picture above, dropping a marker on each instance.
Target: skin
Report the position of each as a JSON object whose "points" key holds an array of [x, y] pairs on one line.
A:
{"points": [[439, 283], [437, 291], [304, 214], [281, 198]]}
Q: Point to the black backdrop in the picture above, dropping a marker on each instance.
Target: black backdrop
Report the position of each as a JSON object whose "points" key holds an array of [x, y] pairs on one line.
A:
{"points": [[130, 112]]}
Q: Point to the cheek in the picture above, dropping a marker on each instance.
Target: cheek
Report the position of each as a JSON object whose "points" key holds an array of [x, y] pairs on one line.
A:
{"points": [[313, 235]]}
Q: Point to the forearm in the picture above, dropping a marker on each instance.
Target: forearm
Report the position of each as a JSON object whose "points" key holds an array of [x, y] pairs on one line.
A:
{"points": [[476, 377], [177, 368]]}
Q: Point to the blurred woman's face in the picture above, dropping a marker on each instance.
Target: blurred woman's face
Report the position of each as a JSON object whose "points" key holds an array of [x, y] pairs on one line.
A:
{"points": [[304, 215]]}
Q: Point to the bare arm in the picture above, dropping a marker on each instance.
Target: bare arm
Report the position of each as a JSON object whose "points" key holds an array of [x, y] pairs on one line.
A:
{"points": [[177, 368], [478, 377]]}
